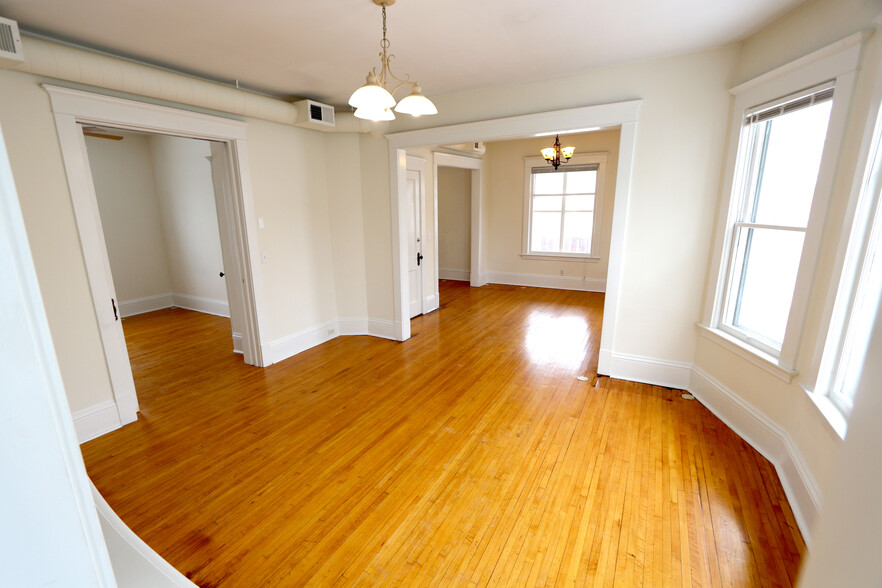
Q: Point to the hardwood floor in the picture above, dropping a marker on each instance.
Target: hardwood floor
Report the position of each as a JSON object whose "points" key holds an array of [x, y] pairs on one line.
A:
{"points": [[468, 455]]}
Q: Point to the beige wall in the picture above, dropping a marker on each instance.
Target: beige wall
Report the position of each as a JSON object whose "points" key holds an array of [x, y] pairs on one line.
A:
{"points": [[41, 183], [122, 172], [454, 218], [504, 162], [189, 216]]}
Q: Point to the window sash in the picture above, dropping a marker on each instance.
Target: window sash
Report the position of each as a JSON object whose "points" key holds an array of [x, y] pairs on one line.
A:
{"points": [[753, 146], [563, 212]]}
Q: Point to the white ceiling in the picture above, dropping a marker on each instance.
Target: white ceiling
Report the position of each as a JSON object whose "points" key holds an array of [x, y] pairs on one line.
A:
{"points": [[323, 49]]}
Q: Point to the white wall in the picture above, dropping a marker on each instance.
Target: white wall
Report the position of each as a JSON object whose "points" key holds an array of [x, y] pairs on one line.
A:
{"points": [[122, 172], [189, 216], [454, 222], [504, 162]]}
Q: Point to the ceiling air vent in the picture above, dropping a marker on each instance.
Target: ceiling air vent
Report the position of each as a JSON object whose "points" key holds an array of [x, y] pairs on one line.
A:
{"points": [[10, 42], [320, 113]]}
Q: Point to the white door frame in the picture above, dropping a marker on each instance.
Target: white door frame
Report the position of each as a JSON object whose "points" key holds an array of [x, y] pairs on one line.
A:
{"points": [[618, 114], [72, 108], [477, 276]]}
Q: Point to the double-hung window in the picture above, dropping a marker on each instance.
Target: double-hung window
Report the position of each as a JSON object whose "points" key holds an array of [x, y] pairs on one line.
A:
{"points": [[860, 288], [779, 155], [563, 207]]}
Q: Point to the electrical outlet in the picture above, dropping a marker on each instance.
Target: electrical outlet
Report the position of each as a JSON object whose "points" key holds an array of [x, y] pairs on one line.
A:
{"points": [[263, 257], [332, 332], [561, 272]]}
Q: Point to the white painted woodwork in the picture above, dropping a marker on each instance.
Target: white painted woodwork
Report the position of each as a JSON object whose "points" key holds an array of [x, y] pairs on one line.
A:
{"points": [[414, 241]]}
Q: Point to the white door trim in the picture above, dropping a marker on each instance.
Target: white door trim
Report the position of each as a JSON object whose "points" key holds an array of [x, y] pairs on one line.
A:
{"points": [[72, 108], [619, 114], [477, 276]]}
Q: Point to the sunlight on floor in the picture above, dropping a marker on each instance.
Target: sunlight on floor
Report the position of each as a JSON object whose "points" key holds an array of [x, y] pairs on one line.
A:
{"points": [[557, 341]]}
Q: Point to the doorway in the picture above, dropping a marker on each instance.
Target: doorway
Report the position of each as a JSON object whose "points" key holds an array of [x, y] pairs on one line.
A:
{"points": [[162, 218], [623, 114], [74, 109]]}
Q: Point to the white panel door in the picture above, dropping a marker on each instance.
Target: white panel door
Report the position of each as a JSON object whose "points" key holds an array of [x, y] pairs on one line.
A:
{"points": [[414, 241]]}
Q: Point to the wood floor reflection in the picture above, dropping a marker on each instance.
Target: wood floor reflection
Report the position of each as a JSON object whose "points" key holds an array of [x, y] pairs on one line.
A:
{"points": [[468, 455]]}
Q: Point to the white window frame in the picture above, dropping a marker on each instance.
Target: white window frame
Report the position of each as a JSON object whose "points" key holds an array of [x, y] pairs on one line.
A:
{"points": [[599, 159], [857, 245], [744, 192], [835, 63]]}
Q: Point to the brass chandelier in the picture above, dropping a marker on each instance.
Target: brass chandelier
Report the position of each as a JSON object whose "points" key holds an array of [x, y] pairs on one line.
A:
{"points": [[553, 154]]}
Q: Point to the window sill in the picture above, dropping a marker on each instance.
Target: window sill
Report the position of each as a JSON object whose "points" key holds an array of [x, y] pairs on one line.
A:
{"points": [[561, 257], [832, 415], [759, 358]]}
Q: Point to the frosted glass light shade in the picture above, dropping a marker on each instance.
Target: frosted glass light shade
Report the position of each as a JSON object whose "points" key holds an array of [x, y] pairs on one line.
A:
{"points": [[568, 152], [374, 114], [372, 95], [548, 153], [416, 104]]}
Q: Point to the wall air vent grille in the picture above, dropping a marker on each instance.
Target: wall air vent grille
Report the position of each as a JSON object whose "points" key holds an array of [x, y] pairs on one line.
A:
{"points": [[10, 42], [320, 113]]}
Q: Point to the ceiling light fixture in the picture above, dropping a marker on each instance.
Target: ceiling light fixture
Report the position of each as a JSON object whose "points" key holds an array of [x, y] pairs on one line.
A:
{"points": [[374, 102], [553, 154]]}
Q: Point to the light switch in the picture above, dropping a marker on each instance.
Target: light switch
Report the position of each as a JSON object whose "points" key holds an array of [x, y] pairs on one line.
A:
{"points": [[260, 223]]}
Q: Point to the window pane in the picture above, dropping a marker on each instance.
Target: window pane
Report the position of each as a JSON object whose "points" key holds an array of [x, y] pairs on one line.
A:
{"points": [[581, 182], [789, 170], [578, 227], [548, 183], [546, 231], [584, 203], [548, 203], [764, 275]]}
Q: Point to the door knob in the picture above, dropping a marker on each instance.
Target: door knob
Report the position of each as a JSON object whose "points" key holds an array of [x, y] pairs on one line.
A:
{"points": [[419, 257], [222, 274]]}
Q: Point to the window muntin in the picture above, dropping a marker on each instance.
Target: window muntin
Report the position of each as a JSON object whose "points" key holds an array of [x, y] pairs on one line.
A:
{"points": [[780, 149], [562, 210]]}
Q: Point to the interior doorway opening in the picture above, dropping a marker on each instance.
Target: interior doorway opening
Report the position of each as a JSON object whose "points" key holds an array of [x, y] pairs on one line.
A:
{"points": [[74, 110], [162, 217]]}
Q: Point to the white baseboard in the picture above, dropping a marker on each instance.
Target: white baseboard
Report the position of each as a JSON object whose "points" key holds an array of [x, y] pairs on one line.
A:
{"points": [[286, 347], [381, 328], [430, 303], [200, 304], [670, 374], [772, 441], [97, 420], [150, 303], [147, 304], [543, 281], [447, 273], [238, 346]]}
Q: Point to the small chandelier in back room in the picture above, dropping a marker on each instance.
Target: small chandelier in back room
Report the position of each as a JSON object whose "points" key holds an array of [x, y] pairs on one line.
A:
{"points": [[553, 154], [374, 102]]}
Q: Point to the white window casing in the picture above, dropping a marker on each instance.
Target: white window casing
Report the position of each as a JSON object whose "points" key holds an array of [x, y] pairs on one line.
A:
{"points": [[579, 162], [783, 88]]}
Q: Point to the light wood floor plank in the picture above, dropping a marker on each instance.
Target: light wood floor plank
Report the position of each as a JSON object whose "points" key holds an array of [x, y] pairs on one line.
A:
{"points": [[467, 456]]}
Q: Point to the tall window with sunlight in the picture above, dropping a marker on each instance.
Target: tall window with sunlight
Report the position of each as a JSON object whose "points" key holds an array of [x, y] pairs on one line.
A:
{"points": [[562, 210], [779, 156]]}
